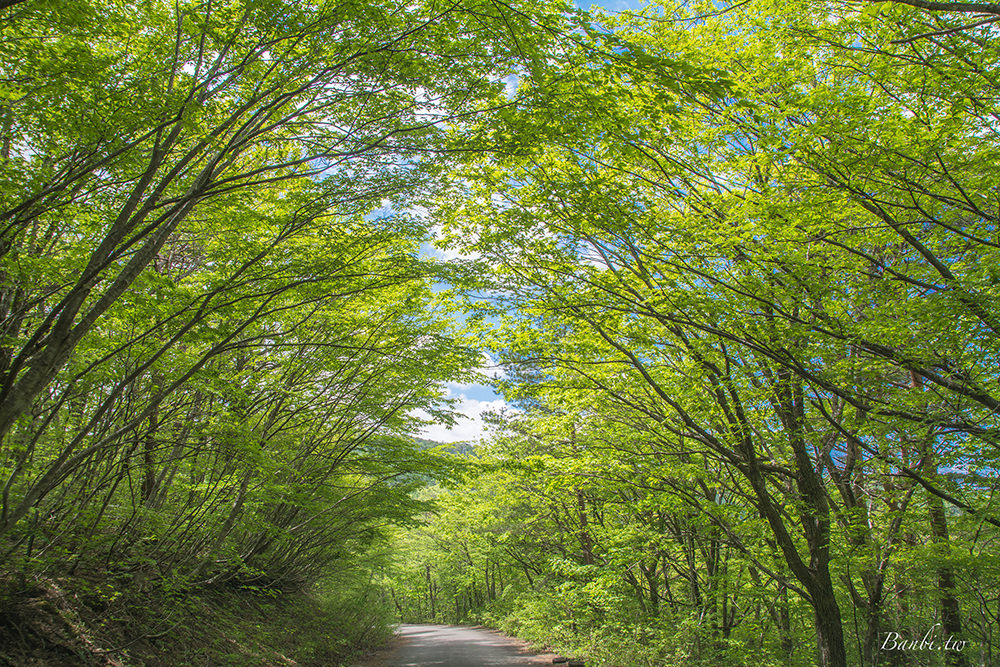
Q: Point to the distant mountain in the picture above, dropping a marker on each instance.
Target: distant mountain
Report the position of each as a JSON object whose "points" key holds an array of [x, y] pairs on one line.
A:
{"points": [[456, 448]]}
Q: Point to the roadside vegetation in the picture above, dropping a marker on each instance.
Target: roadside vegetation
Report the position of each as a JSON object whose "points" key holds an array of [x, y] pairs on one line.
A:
{"points": [[77, 621]]}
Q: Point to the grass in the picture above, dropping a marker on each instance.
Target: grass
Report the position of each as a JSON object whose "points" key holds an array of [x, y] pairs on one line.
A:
{"points": [[86, 622]]}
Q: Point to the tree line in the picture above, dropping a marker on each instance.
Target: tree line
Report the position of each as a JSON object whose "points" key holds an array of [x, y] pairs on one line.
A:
{"points": [[740, 264], [216, 321]]}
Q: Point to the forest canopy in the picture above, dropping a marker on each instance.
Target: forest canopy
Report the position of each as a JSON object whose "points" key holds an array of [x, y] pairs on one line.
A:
{"points": [[739, 263], [216, 321], [744, 265]]}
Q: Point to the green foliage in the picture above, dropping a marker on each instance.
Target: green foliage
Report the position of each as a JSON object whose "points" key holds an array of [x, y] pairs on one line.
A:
{"points": [[81, 622], [745, 301], [216, 326], [740, 264]]}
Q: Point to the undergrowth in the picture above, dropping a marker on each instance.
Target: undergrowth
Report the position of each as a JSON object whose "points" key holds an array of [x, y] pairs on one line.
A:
{"points": [[79, 621]]}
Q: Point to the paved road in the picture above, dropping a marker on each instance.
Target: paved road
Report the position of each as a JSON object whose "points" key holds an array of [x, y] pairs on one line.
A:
{"points": [[454, 646]]}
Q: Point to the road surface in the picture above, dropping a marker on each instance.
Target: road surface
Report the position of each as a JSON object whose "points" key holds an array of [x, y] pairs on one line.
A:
{"points": [[455, 646]]}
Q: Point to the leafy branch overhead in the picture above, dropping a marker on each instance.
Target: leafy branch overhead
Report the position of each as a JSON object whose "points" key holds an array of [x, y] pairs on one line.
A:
{"points": [[216, 323], [745, 256]]}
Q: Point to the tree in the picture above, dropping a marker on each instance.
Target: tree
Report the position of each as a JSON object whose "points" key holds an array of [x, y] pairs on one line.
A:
{"points": [[766, 241], [109, 153], [215, 320]]}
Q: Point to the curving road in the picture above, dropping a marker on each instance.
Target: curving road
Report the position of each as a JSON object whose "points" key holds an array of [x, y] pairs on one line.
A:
{"points": [[455, 646]]}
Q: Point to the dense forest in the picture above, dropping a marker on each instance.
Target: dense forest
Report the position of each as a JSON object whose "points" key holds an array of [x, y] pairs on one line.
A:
{"points": [[738, 263]]}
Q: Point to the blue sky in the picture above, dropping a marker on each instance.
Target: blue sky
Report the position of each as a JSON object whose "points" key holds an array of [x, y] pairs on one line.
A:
{"points": [[613, 5], [475, 399]]}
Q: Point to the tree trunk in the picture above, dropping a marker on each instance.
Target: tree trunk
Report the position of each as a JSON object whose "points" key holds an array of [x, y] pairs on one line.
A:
{"points": [[951, 618]]}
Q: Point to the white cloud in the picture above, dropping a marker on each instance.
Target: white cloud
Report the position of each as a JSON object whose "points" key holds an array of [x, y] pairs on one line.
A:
{"points": [[469, 427], [435, 249], [445, 254]]}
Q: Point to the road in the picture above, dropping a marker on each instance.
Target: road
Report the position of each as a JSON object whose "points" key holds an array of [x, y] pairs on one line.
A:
{"points": [[455, 646]]}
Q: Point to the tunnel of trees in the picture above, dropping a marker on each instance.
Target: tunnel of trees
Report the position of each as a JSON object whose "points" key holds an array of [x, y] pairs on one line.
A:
{"points": [[739, 265]]}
